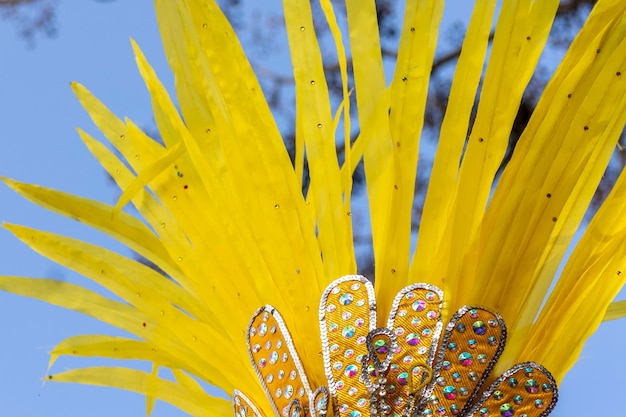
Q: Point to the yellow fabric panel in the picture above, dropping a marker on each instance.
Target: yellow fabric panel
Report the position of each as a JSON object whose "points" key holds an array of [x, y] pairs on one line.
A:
{"points": [[520, 35], [314, 124], [391, 197], [192, 402], [616, 310], [454, 129]]}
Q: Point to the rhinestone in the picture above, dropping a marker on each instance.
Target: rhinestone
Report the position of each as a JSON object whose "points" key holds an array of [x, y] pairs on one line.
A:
{"points": [[262, 329], [399, 331], [256, 348], [441, 381], [285, 357], [449, 392], [403, 378], [351, 371], [441, 410], [273, 357], [432, 314], [412, 339], [288, 391], [479, 327], [416, 321], [278, 393], [301, 392], [269, 379], [336, 290], [498, 395], [407, 359], [346, 315], [419, 305], [334, 348], [331, 308], [262, 362], [546, 388], [343, 408], [252, 331], [349, 353], [473, 376], [454, 409], [531, 386], [434, 400], [360, 303], [280, 374], [463, 391], [484, 412], [482, 358], [492, 341], [355, 286], [380, 346], [279, 344], [268, 345], [460, 328], [473, 313], [452, 347], [266, 315], [506, 410], [273, 330], [410, 295], [348, 331], [360, 340], [346, 299], [430, 296], [293, 374], [337, 365], [538, 404], [492, 323], [465, 359], [456, 377], [359, 322], [472, 344], [361, 402], [529, 371], [427, 332], [421, 350], [446, 365], [512, 382], [518, 399], [355, 413], [352, 391], [333, 327], [339, 385]]}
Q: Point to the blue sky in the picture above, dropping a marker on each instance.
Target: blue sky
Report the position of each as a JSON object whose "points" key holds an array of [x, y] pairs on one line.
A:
{"points": [[38, 115]]}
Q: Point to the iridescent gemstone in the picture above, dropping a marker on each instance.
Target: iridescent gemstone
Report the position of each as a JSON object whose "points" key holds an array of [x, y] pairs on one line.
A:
{"points": [[512, 382], [546, 388], [346, 315], [348, 353], [288, 392], [355, 286], [427, 332], [529, 371], [352, 391], [371, 370], [454, 409], [482, 358], [484, 412], [262, 329], [498, 395], [412, 339], [518, 399], [473, 376], [280, 374], [407, 359], [360, 340], [472, 344], [403, 378], [266, 315], [337, 365], [285, 357], [343, 408], [334, 348], [531, 386], [273, 330], [479, 327], [256, 348], [506, 410], [339, 385], [360, 303], [301, 392], [359, 322], [402, 313], [456, 377], [446, 365], [416, 371], [273, 357], [346, 299], [492, 341], [441, 410], [419, 305], [361, 402], [331, 308], [434, 400], [278, 393], [410, 295], [321, 403], [351, 371], [293, 374], [333, 327], [449, 392], [416, 321], [355, 413], [262, 362], [452, 347], [279, 344], [252, 331], [441, 381], [268, 345], [463, 391], [432, 314], [399, 331], [348, 331], [269, 378], [427, 412], [473, 313], [422, 349], [398, 401], [381, 347], [430, 296], [336, 290], [465, 359], [359, 358], [460, 328], [492, 323], [538, 404], [394, 367]]}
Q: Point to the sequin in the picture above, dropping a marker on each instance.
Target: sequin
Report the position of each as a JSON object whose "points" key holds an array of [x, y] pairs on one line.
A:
{"points": [[465, 359], [506, 410], [403, 378], [449, 392], [531, 386], [348, 331], [262, 329], [351, 371], [419, 305], [346, 299]]}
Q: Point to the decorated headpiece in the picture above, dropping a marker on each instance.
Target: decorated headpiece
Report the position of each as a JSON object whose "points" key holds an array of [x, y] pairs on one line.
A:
{"points": [[408, 368]]}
